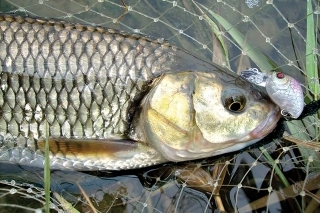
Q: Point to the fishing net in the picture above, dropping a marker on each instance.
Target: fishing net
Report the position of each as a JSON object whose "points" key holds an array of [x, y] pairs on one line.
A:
{"points": [[280, 176]]}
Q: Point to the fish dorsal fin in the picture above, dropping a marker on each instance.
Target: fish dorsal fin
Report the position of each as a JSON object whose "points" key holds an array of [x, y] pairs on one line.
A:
{"points": [[97, 148]]}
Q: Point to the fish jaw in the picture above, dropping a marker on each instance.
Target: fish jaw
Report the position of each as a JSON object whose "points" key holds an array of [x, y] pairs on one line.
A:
{"points": [[184, 116], [267, 125]]}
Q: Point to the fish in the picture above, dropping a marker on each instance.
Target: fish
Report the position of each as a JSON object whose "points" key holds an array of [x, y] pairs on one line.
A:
{"points": [[109, 100], [283, 89]]}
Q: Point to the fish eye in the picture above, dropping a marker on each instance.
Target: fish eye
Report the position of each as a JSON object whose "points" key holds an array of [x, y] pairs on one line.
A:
{"points": [[233, 100], [280, 75]]}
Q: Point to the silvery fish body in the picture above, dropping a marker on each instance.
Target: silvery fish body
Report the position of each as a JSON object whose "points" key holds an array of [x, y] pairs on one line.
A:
{"points": [[105, 99]]}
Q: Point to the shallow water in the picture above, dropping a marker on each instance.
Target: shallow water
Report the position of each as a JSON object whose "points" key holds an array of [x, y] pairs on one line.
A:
{"points": [[185, 187]]}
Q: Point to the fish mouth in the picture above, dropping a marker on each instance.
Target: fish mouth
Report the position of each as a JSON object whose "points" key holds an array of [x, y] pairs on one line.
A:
{"points": [[267, 125]]}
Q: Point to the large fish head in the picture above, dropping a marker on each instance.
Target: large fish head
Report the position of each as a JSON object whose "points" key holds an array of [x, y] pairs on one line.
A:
{"points": [[192, 115]]}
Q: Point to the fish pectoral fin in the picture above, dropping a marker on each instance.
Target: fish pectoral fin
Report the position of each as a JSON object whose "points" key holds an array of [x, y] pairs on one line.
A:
{"points": [[95, 148]]}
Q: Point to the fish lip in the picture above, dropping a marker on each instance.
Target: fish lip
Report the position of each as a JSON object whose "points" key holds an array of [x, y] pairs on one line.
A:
{"points": [[267, 125]]}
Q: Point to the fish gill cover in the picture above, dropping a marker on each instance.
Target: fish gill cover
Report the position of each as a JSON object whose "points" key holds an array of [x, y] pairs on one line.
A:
{"points": [[280, 176]]}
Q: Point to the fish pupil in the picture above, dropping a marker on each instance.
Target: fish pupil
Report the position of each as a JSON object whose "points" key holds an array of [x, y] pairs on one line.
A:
{"points": [[235, 106], [280, 75]]}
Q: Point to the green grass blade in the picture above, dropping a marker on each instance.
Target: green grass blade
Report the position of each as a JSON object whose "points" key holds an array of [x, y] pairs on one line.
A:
{"points": [[275, 166], [47, 172], [311, 60], [216, 31], [254, 54]]}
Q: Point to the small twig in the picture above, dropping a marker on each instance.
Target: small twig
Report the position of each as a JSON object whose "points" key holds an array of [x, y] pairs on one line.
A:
{"points": [[314, 203], [87, 198], [309, 144], [219, 173]]}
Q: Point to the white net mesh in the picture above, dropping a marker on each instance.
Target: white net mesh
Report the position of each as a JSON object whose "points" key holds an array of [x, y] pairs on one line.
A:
{"points": [[280, 177]]}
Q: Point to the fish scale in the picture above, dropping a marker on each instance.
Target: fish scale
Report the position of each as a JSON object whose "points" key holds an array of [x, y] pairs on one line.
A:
{"points": [[72, 104]]}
